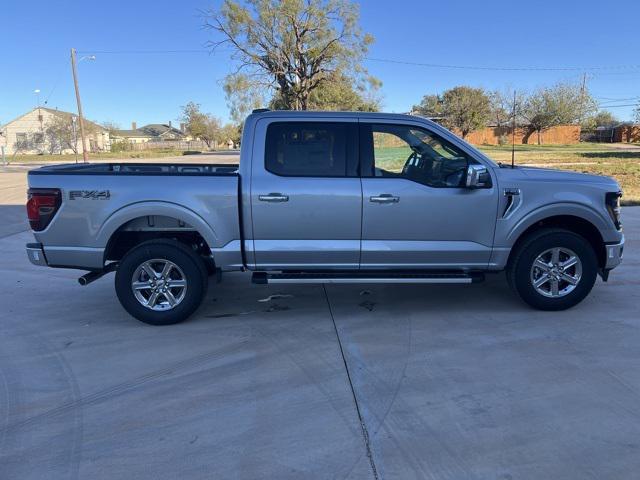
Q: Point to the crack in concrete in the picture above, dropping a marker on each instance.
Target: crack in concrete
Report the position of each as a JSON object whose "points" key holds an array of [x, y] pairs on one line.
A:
{"points": [[363, 425]]}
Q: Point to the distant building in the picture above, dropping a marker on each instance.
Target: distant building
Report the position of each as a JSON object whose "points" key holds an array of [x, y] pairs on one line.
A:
{"points": [[153, 132], [29, 133]]}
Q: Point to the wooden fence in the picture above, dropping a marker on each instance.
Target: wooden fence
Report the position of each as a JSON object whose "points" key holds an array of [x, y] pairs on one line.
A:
{"points": [[627, 133], [561, 134]]}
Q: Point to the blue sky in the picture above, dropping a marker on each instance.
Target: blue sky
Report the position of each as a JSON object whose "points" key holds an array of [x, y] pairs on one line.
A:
{"points": [[36, 37]]}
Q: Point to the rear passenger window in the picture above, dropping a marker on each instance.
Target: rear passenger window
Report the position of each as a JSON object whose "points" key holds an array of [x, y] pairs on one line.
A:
{"points": [[311, 149]]}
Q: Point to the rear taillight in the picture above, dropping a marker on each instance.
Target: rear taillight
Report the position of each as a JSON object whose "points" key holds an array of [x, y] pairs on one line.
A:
{"points": [[42, 205]]}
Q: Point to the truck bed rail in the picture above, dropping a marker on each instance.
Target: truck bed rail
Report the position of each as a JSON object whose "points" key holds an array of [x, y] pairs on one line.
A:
{"points": [[168, 169]]}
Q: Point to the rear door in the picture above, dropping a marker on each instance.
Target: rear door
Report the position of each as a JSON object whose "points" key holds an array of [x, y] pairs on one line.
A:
{"points": [[306, 197]]}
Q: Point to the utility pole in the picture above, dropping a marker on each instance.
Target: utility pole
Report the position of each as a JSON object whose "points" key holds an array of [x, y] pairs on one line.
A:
{"points": [[513, 132], [582, 92], [40, 119], [85, 154]]}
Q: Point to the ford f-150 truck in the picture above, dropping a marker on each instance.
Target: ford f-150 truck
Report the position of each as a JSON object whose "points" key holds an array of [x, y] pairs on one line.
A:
{"points": [[326, 197]]}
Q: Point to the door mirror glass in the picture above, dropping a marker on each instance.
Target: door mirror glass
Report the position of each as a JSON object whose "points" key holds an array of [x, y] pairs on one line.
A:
{"points": [[478, 177]]}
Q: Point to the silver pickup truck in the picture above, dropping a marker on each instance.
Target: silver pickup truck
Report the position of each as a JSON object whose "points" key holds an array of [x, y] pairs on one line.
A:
{"points": [[325, 197]]}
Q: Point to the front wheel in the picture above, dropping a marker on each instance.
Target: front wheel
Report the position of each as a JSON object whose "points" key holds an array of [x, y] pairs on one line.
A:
{"points": [[554, 269], [161, 282]]}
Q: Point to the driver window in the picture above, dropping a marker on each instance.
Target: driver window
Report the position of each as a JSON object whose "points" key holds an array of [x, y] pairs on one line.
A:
{"points": [[390, 153], [419, 155]]}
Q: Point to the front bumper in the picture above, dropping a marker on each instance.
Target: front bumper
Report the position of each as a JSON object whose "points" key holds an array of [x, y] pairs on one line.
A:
{"points": [[36, 254], [614, 254]]}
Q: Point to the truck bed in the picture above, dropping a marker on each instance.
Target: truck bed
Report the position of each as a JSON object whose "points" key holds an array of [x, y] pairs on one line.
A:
{"points": [[138, 169], [100, 199]]}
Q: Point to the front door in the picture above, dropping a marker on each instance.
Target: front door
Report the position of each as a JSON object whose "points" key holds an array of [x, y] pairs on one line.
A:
{"points": [[416, 212], [306, 198]]}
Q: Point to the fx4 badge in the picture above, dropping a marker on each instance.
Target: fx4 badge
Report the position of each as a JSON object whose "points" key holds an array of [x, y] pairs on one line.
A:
{"points": [[89, 194]]}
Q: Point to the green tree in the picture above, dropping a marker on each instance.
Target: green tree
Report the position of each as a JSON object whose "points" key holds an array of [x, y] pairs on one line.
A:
{"points": [[561, 104], [430, 106], [290, 47], [243, 95], [466, 109], [228, 132], [603, 118], [201, 126], [337, 94]]}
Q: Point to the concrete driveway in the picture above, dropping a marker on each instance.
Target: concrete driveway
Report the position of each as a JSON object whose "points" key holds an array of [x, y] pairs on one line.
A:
{"points": [[296, 382]]}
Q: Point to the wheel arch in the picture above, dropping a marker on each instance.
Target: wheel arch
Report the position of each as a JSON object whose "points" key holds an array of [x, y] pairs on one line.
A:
{"points": [[130, 222], [573, 223]]}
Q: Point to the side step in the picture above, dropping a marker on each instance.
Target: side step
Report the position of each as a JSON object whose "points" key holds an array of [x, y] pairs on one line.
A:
{"points": [[366, 277]]}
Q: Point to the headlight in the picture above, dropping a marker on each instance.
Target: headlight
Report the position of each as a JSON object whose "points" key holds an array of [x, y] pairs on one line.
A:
{"points": [[612, 200]]}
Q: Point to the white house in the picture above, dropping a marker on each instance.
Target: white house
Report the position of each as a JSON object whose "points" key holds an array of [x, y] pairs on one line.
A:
{"points": [[31, 133]]}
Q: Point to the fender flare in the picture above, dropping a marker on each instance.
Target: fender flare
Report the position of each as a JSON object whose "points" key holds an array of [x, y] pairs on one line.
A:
{"points": [[554, 210], [142, 209]]}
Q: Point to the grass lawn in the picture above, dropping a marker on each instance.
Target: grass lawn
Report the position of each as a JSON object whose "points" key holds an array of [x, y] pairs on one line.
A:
{"points": [[599, 159]]}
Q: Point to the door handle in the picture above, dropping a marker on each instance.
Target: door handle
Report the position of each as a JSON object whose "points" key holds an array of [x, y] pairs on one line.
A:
{"points": [[273, 197], [384, 198]]}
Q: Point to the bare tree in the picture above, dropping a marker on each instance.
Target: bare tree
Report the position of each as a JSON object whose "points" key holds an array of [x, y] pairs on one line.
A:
{"points": [[62, 134], [503, 107], [291, 47], [53, 141], [110, 126], [25, 143]]}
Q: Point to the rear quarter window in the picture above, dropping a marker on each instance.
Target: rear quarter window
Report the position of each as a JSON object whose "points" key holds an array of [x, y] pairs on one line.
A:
{"points": [[311, 149]]}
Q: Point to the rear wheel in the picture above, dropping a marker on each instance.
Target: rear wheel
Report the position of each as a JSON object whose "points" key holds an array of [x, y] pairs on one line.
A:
{"points": [[554, 269], [161, 282]]}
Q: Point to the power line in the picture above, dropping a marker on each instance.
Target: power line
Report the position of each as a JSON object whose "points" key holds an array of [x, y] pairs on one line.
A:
{"points": [[394, 61], [617, 99], [523, 69], [139, 52], [616, 106]]}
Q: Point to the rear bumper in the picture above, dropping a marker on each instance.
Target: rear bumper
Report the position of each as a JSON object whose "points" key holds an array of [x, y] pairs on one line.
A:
{"points": [[614, 254], [36, 254], [82, 258]]}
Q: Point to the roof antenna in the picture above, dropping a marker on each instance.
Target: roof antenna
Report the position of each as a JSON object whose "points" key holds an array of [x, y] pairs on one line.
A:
{"points": [[513, 132]]}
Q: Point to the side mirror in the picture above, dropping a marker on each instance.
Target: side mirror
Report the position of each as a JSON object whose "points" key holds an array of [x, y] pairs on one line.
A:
{"points": [[477, 177]]}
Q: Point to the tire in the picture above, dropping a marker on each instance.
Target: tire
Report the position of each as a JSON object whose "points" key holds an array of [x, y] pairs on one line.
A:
{"points": [[556, 289], [184, 282]]}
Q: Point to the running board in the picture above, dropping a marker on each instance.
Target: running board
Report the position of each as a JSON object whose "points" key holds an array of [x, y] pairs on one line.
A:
{"points": [[365, 277]]}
